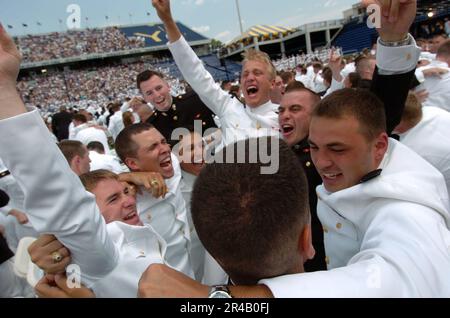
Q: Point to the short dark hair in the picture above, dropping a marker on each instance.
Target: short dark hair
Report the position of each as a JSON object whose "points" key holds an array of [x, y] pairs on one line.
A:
{"points": [[286, 76], [413, 109], [71, 148], [354, 79], [146, 75], [80, 118], [248, 221], [125, 145], [444, 49], [96, 146], [300, 87], [359, 103]]}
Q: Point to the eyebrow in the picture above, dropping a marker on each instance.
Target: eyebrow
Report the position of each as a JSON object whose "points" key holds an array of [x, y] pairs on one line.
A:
{"points": [[333, 144], [112, 196]]}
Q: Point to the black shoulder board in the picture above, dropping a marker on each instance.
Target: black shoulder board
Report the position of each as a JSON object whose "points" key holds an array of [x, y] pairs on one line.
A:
{"points": [[371, 175]]}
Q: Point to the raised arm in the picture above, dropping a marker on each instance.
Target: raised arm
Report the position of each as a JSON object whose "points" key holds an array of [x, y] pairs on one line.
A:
{"points": [[397, 57], [55, 199], [164, 13], [190, 65]]}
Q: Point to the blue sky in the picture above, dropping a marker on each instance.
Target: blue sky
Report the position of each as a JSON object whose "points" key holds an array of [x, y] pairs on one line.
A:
{"points": [[212, 18]]}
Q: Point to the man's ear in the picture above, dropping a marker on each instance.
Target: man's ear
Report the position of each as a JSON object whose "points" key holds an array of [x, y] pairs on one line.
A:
{"points": [[75, 162], [305, 246], [132, 164], [381, 146]]}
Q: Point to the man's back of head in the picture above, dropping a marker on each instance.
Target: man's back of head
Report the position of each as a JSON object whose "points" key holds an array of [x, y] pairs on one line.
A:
{"points": [[443, 53], [96, 146], [76, 155], [254, 224]]}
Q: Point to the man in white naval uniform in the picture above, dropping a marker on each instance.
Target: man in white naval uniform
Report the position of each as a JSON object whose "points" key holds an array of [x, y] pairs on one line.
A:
{"points": [[17, 225], [438, 86], [190, 153], [143, 149], [55, 200], [426, 130], [383, 207], [12, 285], [140, 245], [87, 134], [258, 117]]}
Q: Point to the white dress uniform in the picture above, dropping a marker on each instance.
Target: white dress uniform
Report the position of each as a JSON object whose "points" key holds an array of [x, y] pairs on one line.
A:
{"points": [[139, 247], [169, 219], [111, 257], [14, 230], [430, 138], [55, 200], [237, 122], [438, 87], [205, 267], [12, 285], [386, 237], [106, 162], [116, 124], [86, 134]]}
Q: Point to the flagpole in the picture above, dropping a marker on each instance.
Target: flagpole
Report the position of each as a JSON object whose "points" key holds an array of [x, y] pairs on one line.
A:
{"points": [[239, 17]]}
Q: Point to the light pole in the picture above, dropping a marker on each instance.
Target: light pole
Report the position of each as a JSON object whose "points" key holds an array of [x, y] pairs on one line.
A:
{"points": [[239, 16]]}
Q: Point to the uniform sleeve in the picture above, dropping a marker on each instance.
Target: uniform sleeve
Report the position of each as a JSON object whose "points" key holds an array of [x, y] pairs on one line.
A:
{"points": [[400, 59], [392, 90], [55, 200], [198, 77], [399, 257]]}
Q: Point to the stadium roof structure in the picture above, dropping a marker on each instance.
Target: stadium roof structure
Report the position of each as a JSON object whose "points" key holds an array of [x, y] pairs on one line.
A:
{"points": [[155, 34], [155, 40], [262, 32]]}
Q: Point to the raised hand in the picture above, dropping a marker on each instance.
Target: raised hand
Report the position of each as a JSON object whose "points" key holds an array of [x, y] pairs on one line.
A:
{"points": [[162, 9], [335, 64], [9, 60], [397, 16], [153, 182]]}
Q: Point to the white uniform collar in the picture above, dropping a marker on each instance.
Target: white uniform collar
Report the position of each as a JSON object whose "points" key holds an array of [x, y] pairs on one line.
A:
{"points": [[262, 109]]}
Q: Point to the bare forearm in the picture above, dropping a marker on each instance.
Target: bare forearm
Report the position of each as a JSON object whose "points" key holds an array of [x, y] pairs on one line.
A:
{"points": [[173, 33], [10, 102]]}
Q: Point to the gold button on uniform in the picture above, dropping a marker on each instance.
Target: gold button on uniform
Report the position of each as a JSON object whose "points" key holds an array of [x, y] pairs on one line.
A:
{"points": [[327, 260], [339, 226], [258, 125], [325, 229], [308, 164], [175, 118], [174, 107]]}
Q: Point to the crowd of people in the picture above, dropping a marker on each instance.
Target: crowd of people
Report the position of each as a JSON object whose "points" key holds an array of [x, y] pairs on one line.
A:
{"points": [[336, 182], [57, 45], [96, 87]]}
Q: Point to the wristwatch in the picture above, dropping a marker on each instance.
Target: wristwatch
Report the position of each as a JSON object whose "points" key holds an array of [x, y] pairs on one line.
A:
{"points": [[219, 291], [405, 41]]}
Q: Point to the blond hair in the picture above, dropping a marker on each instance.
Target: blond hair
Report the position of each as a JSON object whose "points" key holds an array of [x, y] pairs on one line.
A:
{"points": [[91, 179], [254, 55]]}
